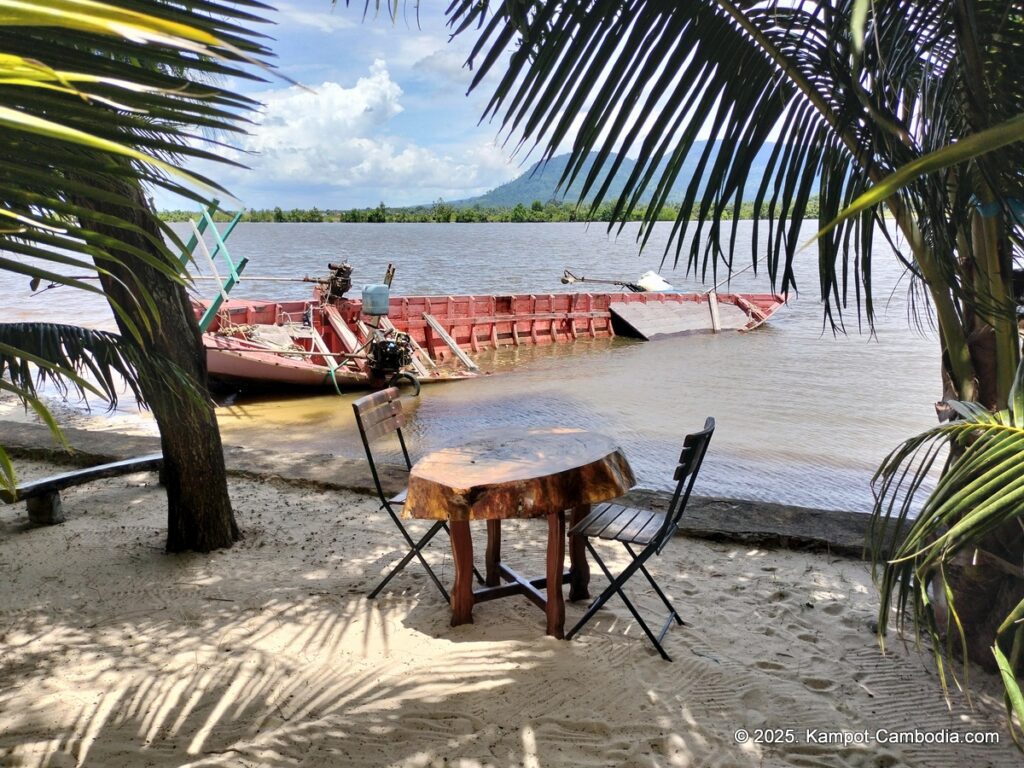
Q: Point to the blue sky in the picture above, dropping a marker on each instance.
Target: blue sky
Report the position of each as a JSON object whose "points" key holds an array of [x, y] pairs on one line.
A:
{"points": [[387, 117]]}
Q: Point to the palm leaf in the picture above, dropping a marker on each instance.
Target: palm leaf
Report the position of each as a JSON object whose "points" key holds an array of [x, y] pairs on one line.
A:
{"points": [[97, 96], [645, 78], [8, 477], [981, 491], [84, 81], [1014, 695], [77, 361], [969, 148], [80, 362]]}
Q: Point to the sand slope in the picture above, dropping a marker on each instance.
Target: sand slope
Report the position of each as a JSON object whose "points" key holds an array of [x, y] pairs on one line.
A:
{"points": [[115, 654]]}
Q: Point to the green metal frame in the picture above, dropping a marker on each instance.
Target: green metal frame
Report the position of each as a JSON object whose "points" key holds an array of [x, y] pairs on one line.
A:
{"points": [[234, 270]]}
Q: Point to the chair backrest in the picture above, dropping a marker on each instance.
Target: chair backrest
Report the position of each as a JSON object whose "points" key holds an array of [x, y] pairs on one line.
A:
{"points": [[378, 415], [695, 445]]}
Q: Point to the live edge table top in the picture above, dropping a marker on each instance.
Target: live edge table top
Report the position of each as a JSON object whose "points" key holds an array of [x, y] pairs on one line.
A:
{"points": [[517, 473]]}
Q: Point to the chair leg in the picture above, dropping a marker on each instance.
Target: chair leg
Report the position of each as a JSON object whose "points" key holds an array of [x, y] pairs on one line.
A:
{"points": [[600, 600], [615, 587], [650, 579], [414, 551], [643, 625]]}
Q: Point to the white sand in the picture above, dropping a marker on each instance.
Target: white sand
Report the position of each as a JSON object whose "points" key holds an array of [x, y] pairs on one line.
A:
{"points": [[115, 654]]}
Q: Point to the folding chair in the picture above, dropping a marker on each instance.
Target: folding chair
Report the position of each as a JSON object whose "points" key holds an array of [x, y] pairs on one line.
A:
{"points": [[643, 528], [378, 415]]}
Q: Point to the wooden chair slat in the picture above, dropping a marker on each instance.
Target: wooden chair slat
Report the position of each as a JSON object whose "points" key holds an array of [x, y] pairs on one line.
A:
{"points": [[377, 398], [385, 426], [686, 457], [595, 522], [650, 531], [380, 413], [616, 526], [637, 524]]}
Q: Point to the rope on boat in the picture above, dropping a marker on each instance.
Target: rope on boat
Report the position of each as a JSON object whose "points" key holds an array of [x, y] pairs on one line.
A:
{"points": [[332, 373]]}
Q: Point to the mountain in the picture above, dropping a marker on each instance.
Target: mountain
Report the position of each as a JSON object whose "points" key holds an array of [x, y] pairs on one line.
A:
{"points": [[540, 181]]}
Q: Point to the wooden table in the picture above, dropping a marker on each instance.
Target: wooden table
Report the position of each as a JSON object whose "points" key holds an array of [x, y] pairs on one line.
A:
{"points": [[518, 474]]}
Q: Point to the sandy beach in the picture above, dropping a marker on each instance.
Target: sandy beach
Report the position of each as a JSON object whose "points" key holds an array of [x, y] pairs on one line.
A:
{"points": [[113, 653]]}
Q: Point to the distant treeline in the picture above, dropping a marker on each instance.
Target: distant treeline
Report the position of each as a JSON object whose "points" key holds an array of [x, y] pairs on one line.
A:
{"points": [[442, 212]]}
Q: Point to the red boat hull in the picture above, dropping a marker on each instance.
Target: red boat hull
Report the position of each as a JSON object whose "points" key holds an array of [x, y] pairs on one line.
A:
{"points": [[474, 323]]}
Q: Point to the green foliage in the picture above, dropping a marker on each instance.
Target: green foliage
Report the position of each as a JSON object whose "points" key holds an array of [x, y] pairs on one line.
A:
{"points": [[632, 87], [980, 492], [99, 98], [443, 212]]}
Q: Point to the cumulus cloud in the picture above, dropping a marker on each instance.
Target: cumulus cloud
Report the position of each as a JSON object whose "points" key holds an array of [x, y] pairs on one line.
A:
{"points": [[341, 137]]}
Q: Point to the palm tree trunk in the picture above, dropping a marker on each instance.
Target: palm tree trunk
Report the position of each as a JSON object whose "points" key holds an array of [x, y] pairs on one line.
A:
{"points": [[199, 513]]}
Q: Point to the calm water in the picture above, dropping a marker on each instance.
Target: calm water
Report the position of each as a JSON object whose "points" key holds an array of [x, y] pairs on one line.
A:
{"points": [[803, 417]]}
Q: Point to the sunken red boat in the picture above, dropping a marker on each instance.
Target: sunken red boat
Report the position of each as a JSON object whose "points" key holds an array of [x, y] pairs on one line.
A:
{"points": [[339, 342]]}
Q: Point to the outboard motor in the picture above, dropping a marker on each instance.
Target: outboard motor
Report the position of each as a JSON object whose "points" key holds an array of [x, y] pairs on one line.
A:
{"points": [[339, 281], [389, 351], [388, 356]]}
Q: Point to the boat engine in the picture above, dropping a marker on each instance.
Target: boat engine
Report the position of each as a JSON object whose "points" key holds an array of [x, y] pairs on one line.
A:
{"points": [[389, 355], [339, 281]]}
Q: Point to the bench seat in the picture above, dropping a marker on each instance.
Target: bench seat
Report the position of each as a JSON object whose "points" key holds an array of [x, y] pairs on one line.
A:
{"points": [[43, 496]]}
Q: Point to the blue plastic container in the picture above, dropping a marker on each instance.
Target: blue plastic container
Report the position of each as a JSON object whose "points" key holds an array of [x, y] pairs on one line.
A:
{"points": [[376, 299]]}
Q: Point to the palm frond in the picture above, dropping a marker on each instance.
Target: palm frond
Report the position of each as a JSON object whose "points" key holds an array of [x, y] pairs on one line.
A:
{"points": [[650, 79], [84, 82], [969, 148], [74, 361], [1013, 628], [980, 492], [78, 362]]}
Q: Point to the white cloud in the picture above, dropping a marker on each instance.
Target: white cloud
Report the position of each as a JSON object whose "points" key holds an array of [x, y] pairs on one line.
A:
{"points": [[447, 63], [409, 49], [341, 137], [298, 119], [325, 20]]}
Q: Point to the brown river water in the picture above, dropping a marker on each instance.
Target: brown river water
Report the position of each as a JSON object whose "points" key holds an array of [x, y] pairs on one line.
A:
{"points": [[804, 416]]}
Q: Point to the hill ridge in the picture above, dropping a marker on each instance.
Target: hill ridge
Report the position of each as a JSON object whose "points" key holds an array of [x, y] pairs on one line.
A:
{"points": [[539, 181]]}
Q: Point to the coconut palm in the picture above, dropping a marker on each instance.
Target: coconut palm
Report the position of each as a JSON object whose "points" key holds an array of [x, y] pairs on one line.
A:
{"points": [[840, 93], [978, 496], [101, 101]]}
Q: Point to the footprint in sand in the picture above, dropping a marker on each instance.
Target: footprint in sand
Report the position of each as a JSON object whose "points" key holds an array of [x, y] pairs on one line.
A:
{"points": [[819, 685]]}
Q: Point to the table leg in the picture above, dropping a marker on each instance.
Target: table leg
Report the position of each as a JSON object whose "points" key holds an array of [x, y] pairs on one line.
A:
{"points": [[556, 567], [579, 568], [492, 576], [462, 589]]}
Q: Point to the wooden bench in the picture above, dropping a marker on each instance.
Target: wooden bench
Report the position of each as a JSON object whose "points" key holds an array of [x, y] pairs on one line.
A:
{"points": [[42, 497]]}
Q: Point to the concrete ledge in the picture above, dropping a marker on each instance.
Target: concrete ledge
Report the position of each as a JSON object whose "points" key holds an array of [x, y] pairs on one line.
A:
{"points": [[750, 522]]}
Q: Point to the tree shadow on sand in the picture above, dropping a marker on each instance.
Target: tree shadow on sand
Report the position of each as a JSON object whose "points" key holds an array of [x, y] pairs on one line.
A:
{"points": [[270, 655]]}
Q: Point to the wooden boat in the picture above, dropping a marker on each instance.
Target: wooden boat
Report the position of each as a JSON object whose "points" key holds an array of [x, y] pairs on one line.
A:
{"points": [[328, 342]]}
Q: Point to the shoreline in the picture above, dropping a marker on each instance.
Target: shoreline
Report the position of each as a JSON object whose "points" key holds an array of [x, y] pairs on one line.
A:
{"points": [[757, 523]]}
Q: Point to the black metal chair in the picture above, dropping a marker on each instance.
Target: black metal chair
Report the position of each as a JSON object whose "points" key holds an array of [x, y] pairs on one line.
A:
{"points": [[378, 415], [644, 528]]}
